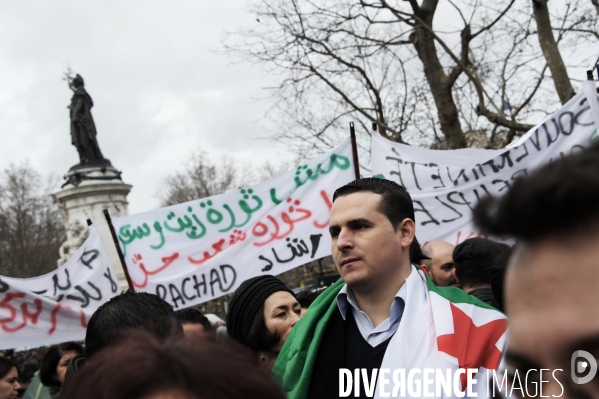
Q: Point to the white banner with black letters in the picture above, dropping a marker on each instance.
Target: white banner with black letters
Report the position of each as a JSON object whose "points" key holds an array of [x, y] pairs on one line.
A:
{"points": [[56, 307], [445, 185]]}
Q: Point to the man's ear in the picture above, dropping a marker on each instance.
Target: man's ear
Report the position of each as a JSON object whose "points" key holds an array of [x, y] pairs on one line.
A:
{"points": [[407, 231], [425, 268]]}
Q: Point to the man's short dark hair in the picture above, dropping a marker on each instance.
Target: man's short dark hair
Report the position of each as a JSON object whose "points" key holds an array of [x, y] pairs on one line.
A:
{"points": [[193, 316], [142, 366], [306, 296], [557, 199], [396, 203], [130, 311]]}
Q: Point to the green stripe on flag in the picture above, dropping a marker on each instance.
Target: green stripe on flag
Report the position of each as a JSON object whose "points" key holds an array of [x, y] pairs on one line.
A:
{"points": [[456, 295]]}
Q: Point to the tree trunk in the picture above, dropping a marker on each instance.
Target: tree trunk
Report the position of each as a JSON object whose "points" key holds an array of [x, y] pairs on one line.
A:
{"points": [[551, 52], [438, 81]]}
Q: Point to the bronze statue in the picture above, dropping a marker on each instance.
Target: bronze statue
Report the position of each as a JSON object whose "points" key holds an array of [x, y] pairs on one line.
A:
{"points": [[83, 129]]}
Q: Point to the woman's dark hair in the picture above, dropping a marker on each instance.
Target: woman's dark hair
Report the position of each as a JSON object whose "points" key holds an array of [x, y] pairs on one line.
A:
{"points": [[141, 365], [259, 338], [51, 359], [5, 366]]}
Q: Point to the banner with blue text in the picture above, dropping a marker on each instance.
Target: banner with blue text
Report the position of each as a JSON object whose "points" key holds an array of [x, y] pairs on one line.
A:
{"points": [[446, 184], [200, 250]]}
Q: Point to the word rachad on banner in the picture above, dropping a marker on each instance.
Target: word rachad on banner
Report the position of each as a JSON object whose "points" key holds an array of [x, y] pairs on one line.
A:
{"points": [[200, 250]]}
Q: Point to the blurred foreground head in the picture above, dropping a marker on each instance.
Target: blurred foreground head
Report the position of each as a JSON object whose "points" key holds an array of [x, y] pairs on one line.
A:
{"points": [[552, 282], [126, 312], [142, 367]]}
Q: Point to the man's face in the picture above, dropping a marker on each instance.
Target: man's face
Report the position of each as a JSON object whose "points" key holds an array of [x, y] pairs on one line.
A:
{"points": [[440, 267], [552, 303], [366, 248]]}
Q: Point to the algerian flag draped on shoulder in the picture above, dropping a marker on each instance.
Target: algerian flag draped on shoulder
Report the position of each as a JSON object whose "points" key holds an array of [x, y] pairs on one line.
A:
{"points": [[200, 250], [441, 328]]}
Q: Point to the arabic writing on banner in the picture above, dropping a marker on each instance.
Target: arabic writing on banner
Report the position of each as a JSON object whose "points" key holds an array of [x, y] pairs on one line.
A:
{"points": [[200, 250], [55, 307], [446, 185]]}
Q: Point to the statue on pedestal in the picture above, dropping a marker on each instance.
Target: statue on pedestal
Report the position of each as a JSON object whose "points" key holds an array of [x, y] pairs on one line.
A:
{"points": [[83, 129]]}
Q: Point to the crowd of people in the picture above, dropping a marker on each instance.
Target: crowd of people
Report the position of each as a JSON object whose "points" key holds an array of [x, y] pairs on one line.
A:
{"points": [[279, 343]]}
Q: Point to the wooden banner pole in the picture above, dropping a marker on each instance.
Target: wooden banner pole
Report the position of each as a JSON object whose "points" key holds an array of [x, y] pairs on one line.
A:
{"points": [[354, 150], [118, 249]]}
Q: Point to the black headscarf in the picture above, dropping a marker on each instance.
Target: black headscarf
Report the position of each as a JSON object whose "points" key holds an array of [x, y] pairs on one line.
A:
{"points": [[247, 302]]}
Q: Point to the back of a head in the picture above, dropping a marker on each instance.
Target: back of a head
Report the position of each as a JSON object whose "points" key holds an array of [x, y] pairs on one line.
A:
{"points": [[557, 200], [142, 367], [130, 311], [193, 316], [306, 296], [474, 259]]}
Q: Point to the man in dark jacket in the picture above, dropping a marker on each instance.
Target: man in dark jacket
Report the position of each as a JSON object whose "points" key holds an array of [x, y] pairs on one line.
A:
{"points": [[123, 313]]}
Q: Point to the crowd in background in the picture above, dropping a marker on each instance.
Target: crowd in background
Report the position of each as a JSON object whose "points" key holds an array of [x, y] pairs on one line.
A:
{"points": [[136, 346]]}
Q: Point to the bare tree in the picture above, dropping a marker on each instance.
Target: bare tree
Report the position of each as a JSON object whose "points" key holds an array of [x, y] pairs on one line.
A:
{"points": [[204, 177], [390, 62], [551, 52], [31, 228]]}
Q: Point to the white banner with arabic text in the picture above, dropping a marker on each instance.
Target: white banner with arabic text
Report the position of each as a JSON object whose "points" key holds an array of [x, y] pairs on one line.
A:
{"points": [[56, 307], [200, 250], [446, 184]]}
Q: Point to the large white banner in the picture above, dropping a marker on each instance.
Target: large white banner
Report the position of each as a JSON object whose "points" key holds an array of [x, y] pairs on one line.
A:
{"points": [[200, 250], [56, 307], [446, 185]]}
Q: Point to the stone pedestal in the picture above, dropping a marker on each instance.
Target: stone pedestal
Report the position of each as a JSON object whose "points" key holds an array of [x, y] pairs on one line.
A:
{"points": [[85, 195]]}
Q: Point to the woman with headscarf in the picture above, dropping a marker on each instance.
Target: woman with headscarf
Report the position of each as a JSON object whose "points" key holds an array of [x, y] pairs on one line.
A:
{"points": [[55, 363], [261, 314], [9, 379]]}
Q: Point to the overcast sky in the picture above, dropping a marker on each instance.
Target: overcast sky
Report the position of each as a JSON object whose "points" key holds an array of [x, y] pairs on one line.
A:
{"points": [[159, 90]]}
